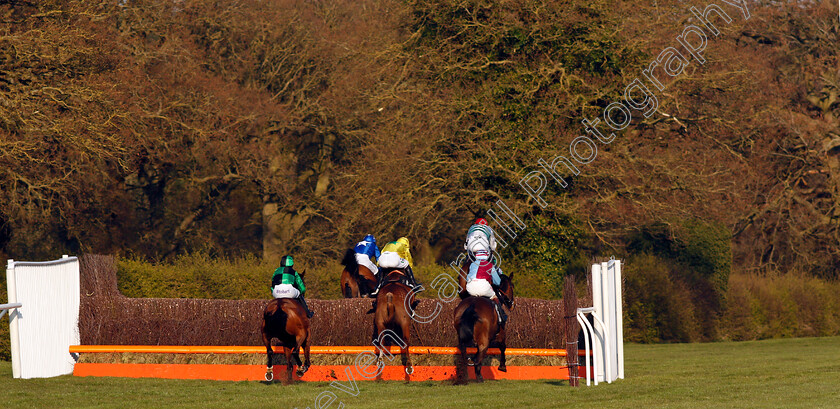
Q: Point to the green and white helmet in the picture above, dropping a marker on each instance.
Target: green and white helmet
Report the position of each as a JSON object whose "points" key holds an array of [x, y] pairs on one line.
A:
{"points": [[480, 237], [287, 261]]}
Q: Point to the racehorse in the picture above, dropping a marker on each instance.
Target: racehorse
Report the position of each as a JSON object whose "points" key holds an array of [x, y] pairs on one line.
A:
{"points": [[477, 323], [286, 320], [356, 280], [391, 314]]}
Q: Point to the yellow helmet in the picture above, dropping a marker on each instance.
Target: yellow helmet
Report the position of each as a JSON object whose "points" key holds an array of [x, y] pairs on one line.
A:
{"points": [[403, 241]]}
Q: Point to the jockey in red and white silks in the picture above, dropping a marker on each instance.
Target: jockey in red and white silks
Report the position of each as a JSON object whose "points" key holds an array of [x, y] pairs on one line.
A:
{"points": [[481, 241], [483, 273]]}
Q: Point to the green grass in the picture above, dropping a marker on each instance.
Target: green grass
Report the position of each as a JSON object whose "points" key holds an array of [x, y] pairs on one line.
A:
{"points": [[789, 373]]}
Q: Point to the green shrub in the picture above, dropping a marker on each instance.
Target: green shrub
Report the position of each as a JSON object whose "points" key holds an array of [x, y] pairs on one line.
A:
{"points": [[706, 248], [543, 254], [701, 251], [199, 275], [776, 306], [658, 306]]}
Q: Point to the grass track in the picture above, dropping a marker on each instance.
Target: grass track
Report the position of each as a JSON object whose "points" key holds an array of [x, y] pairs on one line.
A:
{"points": [[790, 373]]}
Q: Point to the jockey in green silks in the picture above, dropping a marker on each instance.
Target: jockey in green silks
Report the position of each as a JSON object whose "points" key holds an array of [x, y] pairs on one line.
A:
{"points": [[287, 283]]}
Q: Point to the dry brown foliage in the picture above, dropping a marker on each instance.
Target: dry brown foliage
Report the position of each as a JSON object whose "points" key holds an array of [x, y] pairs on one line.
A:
{"points": [[297, 126]]}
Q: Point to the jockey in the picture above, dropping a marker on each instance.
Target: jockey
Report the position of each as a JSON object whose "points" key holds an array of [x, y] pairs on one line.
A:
{"points": [[365, 250], [287, 283], [481, 241], [396, 255]]}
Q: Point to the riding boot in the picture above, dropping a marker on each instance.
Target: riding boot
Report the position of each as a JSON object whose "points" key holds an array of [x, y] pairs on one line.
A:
{"points": [[412, 281], [378, 285], [305, 307], [501, 311]]}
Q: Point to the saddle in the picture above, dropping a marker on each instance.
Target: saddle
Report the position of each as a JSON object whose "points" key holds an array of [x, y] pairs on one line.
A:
{"points": [[402, 279], [497, 306]]}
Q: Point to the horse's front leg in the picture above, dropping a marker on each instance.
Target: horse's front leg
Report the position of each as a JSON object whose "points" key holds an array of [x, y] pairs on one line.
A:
{"points": [[500, 339], [502, 366], [306, 362]]}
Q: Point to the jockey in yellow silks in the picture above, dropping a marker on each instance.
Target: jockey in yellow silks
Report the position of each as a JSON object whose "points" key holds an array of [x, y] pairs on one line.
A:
{"points": [[396, 255], [483, 276]]}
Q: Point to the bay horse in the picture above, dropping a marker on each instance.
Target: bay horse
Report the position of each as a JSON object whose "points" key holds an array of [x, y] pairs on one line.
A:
{"points": [[391, 314], [286, 320], [356, 280], [477, 323]]}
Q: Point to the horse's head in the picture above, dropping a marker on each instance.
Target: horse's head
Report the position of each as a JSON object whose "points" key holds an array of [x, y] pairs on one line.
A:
{"points": [[506, 289]]}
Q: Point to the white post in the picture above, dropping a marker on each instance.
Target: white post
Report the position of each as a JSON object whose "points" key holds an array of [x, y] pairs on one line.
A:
{"points": [[619, 317], [606, 312], [597, 304], [14, 338], [605, 344], [596, 286], [586, 334]]}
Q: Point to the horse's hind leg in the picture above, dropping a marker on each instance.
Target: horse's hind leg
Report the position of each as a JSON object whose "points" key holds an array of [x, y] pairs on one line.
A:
{"points": [[462, 371], [300, 340], [289, 363], [406, 356], [479, 356], [482, 342], [269, 371]]}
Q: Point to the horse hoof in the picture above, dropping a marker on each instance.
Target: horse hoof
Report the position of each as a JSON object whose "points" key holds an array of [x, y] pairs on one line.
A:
{"points": [[503, 368], [269, 375], [470, 362], [409, 370], [301, 371]]}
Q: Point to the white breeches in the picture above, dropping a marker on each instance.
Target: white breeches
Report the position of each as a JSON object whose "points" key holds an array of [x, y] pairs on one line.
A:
{"points": [[480, 287], [364, 260], [285, 291], [390, 259]]}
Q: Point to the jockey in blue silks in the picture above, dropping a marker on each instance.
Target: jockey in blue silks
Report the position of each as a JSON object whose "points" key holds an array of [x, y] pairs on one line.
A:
{"points": [[365, 250], [484, 276]]}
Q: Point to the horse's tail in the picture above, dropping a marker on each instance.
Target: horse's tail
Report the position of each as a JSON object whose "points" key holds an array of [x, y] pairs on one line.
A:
{"points": [[465, 330], [390, 306], [348, 292], [276, 318], [349, 262]]}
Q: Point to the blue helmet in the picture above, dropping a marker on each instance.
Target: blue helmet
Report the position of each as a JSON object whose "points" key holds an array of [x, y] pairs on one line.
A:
{"points": [[369, 238]]}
